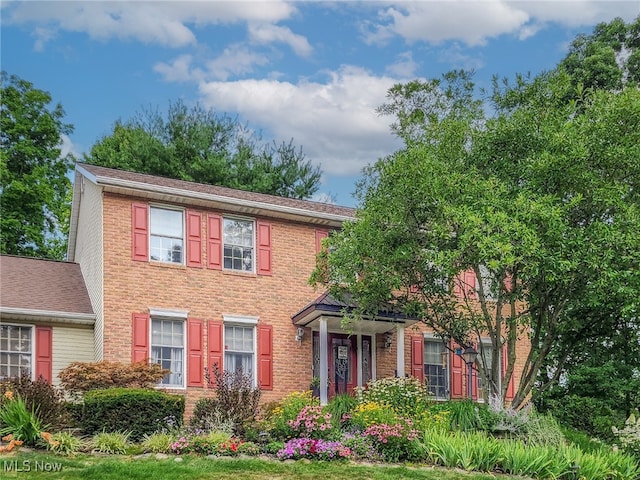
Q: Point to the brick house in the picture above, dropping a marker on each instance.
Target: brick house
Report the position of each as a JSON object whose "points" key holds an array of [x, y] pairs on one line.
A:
{"points": [[189, 275]]}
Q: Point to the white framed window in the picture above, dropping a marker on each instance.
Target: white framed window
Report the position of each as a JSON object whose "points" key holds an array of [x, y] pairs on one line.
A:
{"points": [[16, 350], [168, 349], [239, 244], [240, 345], [166, 227], [436, 368]]}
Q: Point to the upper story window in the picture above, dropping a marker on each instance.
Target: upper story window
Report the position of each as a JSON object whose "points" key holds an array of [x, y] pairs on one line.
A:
{"points": [[16, 347], [166, 235], [239, 244]]}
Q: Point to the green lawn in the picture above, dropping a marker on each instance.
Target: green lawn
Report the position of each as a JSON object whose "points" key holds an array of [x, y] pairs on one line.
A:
{"points": [[43, 466]]}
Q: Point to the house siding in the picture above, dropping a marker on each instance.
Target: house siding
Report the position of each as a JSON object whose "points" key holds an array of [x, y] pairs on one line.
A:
{"points": [[71, 344], [208, 294], [89, 253]]}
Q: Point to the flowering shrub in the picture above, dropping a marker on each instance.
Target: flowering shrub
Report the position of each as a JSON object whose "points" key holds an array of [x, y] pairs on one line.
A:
{"points": [[629, 436], [215, 443], [312, 422], [406, 396], [369, 413], [432, 420], [362, 447], [278, 416], [395, 442], [313, 448]]}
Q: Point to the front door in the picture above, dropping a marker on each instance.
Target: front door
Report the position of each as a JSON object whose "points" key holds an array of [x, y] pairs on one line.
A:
{"points": [[343, 360]]}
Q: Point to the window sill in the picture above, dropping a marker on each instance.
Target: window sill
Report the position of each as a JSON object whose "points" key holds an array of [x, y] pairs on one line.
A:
{"points": [[179, 266], [240, 273]]}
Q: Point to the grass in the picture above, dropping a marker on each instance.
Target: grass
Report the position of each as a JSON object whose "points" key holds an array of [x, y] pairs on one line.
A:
{"points": [[194, 468]]}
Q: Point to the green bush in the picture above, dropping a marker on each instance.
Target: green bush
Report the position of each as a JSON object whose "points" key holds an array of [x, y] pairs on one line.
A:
{"points": [[39, 396], [17, 420], [405, 396], [277, 415], [590, 415], [137, 411], [158, 442], [113, 443], [65, 444]]}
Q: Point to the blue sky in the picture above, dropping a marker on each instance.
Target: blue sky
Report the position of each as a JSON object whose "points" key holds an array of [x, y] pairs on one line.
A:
{"points": [[311, 71]]}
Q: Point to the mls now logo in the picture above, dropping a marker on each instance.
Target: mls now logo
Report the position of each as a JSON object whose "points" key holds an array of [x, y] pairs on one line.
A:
{"points": [[29, 466]]}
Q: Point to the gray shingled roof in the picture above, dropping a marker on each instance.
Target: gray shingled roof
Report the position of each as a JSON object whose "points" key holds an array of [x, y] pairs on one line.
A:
{"points": [[44, 285], [105, 175]]}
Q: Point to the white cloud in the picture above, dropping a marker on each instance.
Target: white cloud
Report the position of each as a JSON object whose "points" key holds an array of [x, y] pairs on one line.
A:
{"points": [[235, 60], [334, 122], [163, 23], [456, 57], [179, 70], [404, 67], [474, 22], [67, 147], [269, 33]]}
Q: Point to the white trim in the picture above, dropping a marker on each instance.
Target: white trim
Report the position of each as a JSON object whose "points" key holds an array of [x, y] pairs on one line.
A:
{"points": [[374, 361], [32, 341], [49, 315], [324, 363], [163, 206], [400, 352], [166, 313], [240, 319], [359, 359]]}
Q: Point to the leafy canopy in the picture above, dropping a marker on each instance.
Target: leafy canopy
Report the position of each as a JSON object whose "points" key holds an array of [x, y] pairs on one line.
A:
{"points": [[195, 144], [34, 187]]}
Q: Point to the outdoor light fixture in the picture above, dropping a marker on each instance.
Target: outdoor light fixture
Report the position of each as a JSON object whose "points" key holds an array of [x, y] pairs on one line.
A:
{"points": [[469, 356], [388, 337], [299, 334]]}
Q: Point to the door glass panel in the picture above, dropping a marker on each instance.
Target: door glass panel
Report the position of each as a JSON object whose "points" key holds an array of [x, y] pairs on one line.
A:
{"points": [[342, 364]]}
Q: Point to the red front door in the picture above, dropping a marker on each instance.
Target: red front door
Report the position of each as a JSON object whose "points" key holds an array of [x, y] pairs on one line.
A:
{"points": [[342, 364]]}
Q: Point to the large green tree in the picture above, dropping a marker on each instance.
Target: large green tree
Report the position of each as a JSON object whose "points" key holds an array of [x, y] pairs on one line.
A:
{"points": [[196, 144], [539, 200], [34, 187]]}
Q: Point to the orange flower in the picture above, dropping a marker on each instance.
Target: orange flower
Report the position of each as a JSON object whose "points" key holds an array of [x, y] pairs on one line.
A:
{"points": [[8, 438], [46, 436], [18, 442], [8, 394]]}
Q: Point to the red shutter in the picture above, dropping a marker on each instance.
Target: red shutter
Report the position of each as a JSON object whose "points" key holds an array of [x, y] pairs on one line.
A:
{"points": [[511, 390], [214, 242], [417, 357], [264, 248], [194, 239], [265, 357], [44, 354], [195, 367], [215, 347], [457, 373], [140, 232], [320, 234], [470, 283], [140, 337]]}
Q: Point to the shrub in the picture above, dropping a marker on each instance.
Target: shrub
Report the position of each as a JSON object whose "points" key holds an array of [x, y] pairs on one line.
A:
{"points": [[542, 430], [277, 416], [362, 447], [590, 415], [18, 422], [64, 443], [395, 442], [629, 436], [406, 396], [368, 413], [214, 443], [39, 396], [137, 411], [113, 443], [159, 442], [313, 448], [81, 377], [236, 400], [312, 422]]}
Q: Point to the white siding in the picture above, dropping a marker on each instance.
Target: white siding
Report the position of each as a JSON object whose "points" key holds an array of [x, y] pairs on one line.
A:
{"points": [[89, 254], [71, 344]]}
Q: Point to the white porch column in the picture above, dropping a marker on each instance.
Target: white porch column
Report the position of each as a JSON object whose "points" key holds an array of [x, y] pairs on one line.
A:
{"points": [[359, 359], [373, 357], [400, 351], [324, 363]]}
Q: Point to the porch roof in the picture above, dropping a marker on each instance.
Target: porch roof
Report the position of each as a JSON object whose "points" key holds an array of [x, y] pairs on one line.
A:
{"points": [[333, 310]]}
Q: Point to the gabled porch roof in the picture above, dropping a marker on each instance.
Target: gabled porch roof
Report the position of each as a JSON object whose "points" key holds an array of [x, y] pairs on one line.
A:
{"points": [[333, 310]]}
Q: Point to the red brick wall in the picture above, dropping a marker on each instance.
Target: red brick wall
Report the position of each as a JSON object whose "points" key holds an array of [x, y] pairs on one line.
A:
{"points": [[207, 294]]}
